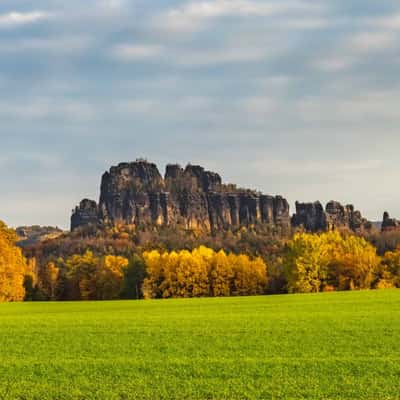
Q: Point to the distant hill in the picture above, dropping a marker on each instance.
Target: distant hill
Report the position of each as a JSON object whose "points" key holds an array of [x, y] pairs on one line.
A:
{"points": [[32, 235]]}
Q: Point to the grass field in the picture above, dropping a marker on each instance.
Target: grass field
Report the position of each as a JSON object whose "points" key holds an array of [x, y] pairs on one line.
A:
{"points": [[325, 346]]}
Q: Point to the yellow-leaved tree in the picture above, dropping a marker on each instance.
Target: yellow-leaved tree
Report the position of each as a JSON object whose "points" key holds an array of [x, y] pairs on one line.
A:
{"points": [[353, 264], [249, 276], [221, 275], [306, 263], [316, 262], [13, 266], [202, 272], [81, 276], [110, 277]]}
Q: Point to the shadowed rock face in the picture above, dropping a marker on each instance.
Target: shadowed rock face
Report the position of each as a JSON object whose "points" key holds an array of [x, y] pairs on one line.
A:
{"points": [[310, 216], [193, 198], [389, 224], [313, 218], [87, 213]]}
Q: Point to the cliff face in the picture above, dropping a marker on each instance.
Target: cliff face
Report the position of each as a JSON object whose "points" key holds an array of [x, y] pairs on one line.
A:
{"points": [[390, 224], [192, 198], [312, 217], [87, 213]]}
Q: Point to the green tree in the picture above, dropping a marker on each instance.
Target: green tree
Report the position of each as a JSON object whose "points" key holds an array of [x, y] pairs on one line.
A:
{"points": [[81, 272], [134, 276]]}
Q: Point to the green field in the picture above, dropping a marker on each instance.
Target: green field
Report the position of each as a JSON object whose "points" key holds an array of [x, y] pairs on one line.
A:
{"points": [[325, 346]]}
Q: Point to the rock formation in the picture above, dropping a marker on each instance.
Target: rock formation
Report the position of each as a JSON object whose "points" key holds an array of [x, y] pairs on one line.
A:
{"points": [[310, 216], [192, 198], [389, 224], [313, 218], [87, 213]]}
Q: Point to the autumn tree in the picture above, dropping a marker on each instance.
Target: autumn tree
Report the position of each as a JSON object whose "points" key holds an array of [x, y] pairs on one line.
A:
{"points": [[220, 274], [202, 272], [315, 262], [47, 281], [80, 273], [109, 277], [250, 276], [390, 271], [13, 266], [353, 263], [306, 263]]}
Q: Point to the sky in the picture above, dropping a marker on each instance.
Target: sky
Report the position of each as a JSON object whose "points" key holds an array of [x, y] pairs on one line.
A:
{"points": [[291, 97]]}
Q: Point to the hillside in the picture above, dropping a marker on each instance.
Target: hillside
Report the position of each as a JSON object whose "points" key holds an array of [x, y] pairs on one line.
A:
{"points": [[33, 235]]}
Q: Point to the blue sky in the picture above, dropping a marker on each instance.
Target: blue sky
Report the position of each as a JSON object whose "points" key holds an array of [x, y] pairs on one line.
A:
{"points": [[291, 97]]}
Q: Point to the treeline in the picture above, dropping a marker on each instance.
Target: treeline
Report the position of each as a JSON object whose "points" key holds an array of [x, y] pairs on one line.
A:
{"points": [[199, 273], [305, 263], [88, 277], [202, 272]]}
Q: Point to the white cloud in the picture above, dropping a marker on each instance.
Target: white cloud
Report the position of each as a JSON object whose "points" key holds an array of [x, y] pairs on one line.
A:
{"points": [[63, 44], [390, 22], [17, 18], [143, 106], [166, 109], [374, 106], [195, 14], [260, 106], [334, 63], [373, 41], [112, 4], [38, 109], [128, 52], [221, 8], [211, 57], [324, 167], [236, 50], [355, 48]]}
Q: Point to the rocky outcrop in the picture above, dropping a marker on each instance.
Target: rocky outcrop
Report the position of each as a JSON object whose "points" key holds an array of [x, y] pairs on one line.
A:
{"points": [[192, 198], [345, 217], [389, 224], [313, 218], [87, 213], [310, 216]]}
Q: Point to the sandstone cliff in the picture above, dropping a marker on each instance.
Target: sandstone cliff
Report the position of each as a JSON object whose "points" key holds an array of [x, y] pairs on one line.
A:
{"points": [[389, 224], [192, 198], [314, 218]]}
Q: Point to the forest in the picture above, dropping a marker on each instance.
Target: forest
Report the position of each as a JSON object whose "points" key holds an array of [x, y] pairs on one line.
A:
{"points": [[118, 267]]}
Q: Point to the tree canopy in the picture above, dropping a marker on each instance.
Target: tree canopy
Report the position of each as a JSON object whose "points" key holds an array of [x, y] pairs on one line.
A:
{"points": [[13, 266]]}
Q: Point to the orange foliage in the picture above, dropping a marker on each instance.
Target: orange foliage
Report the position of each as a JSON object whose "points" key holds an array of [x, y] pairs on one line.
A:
{"points": [[13, 266]]}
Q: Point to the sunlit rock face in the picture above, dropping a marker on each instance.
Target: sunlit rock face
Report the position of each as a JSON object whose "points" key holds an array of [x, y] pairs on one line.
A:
{"points": [[191, 197]]}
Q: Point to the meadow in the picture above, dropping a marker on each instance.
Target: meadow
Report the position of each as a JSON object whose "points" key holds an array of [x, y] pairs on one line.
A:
{"points": [[321, 346]]}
